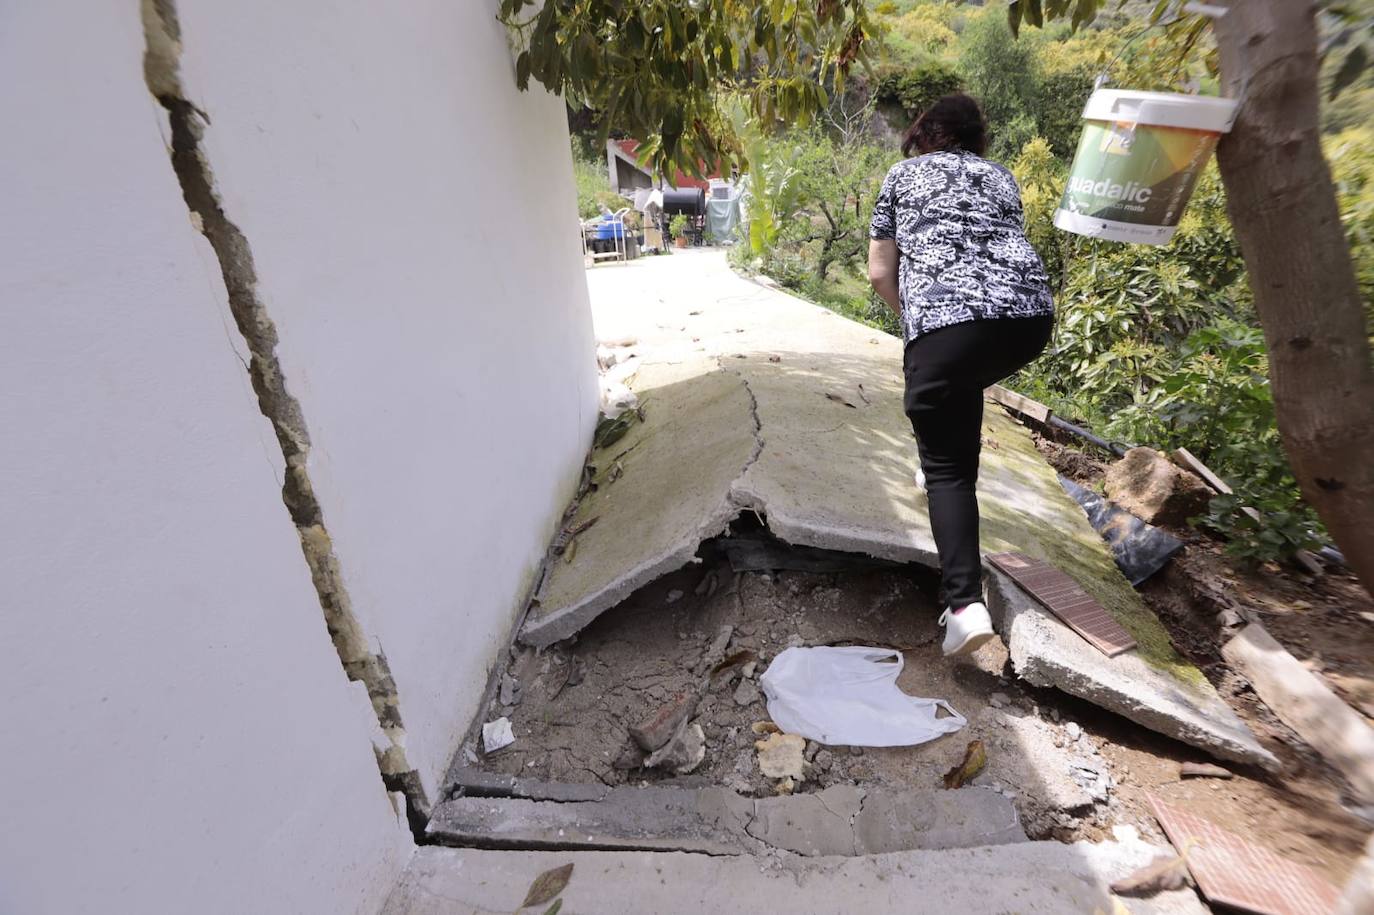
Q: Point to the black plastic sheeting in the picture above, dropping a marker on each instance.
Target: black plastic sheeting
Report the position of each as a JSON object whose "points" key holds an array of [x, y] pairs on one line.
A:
{"points": [[1140, 549]]}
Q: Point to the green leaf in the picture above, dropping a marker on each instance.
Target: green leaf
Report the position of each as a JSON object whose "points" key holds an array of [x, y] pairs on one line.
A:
{"points": [[1355, 62], [522, 71], [548, 885]]}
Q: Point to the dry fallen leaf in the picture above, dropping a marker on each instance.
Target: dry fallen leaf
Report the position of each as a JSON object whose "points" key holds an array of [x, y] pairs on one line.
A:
{"points": [[1164, 873], [732, 662], [760, 728], [547, 885], [975, 758], [838, 399]]}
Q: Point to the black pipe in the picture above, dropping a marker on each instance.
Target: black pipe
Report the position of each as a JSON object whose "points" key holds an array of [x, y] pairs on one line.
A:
{"points": [[1115, 448]]}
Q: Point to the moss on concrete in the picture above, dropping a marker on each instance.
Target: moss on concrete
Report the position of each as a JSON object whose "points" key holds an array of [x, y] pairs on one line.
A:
{"points": [[1044, 522]]}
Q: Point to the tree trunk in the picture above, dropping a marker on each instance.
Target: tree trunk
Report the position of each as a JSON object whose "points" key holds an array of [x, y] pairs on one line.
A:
{"points": [[1283, 207]]}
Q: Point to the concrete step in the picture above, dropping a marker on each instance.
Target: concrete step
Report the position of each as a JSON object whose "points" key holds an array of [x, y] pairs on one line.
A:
{"points": [[841, 820], [1027, 878]]}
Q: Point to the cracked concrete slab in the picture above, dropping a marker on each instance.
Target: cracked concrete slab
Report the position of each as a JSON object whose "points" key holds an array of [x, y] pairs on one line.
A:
{"points": [[809, 824], [967, 818], [758, 400], [1029, 878], [671, 491], [1186, 707], [840, 820], [710, 821]]}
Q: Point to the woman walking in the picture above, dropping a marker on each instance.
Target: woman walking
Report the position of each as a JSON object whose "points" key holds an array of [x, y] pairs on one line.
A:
{"points": [[948, 253]]}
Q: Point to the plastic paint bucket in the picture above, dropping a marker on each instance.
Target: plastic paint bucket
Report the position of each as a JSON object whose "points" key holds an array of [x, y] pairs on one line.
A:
{"points": [[1137, 162]]}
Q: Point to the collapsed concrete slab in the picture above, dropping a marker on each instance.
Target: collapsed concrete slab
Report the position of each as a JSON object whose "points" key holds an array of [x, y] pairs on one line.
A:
{"points": [[1174, 700], [660, 491], [840, 820], [1031, 878], [757, 400]]}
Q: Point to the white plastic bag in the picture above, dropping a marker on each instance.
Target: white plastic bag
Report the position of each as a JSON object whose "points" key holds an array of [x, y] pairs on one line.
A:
{"points": [[849, 697]]}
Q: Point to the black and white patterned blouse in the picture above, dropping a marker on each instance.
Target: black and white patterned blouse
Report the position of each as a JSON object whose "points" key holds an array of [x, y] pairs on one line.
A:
{"points": [[957, 221]]}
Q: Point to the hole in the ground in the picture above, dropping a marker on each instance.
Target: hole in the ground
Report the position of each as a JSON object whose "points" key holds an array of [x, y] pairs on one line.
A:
{"points": [[572, 705]]}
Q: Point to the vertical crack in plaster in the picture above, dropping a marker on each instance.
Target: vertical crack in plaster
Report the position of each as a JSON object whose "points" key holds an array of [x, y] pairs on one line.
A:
{"points": [[161, 67]]}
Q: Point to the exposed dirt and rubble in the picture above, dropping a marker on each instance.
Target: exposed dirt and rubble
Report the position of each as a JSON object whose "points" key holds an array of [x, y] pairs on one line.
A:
{"points": [[659, 686], [573, 706]]}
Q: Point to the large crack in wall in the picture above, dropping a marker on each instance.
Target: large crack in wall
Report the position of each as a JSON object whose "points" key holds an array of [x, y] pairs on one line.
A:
{"points": [[161, 66]]}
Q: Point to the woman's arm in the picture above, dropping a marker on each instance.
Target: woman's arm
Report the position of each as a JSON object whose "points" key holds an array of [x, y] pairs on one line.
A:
{"points": [[882, 271]]}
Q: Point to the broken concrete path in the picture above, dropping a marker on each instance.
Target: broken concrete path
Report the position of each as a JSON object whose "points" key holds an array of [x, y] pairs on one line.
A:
{"points": [[1029, 878], [672, 476], [1174, 699], [757, 400], [841, 820]]}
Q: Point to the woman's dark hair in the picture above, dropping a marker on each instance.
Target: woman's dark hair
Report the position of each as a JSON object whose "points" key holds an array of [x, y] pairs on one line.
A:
{"points": [[953, 122]]}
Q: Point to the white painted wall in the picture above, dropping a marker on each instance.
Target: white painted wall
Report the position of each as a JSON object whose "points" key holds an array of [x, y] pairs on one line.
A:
{"points": [[412, 217], [178, 735]]}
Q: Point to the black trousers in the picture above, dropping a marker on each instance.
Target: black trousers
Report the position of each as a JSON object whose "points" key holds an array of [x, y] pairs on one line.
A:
{"points": [[946, 372]]}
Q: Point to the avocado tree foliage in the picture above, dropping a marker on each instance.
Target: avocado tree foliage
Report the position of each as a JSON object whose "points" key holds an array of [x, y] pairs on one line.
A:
{"points": [[659, 68]]}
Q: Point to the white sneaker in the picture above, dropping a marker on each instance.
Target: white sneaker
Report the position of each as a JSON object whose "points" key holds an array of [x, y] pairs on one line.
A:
{"points": [[967, 630]]}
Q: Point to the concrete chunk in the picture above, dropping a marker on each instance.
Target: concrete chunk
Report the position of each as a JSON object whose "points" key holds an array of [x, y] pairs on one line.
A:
{"points": [[810, 824], [477, 783], [672, 492], [1169, 700], [708, 821], [966, 818]]}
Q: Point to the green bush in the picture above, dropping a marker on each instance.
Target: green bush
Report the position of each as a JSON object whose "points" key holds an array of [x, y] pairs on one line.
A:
{"points": [[1157, 345], [593, 185], [1002, 73], [1351, 154], [914, 89]]}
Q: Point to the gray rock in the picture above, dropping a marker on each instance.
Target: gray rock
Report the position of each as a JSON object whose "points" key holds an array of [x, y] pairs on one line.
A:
{"points": [[1073, 731], [747, 693], [999, 700], [824, 760], [674, 596], [683, 752], [510, 690]]}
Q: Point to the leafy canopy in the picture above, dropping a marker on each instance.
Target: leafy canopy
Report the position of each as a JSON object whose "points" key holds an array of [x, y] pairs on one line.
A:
{"points": [[658, 68], [1347, 28]]}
